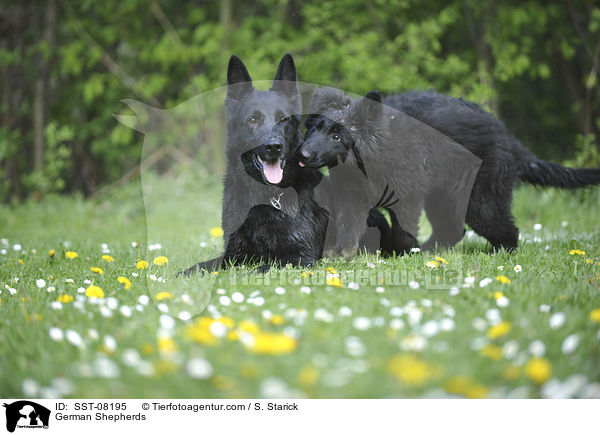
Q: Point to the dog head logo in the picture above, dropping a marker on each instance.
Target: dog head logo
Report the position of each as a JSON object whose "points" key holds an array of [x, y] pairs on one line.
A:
{"points": [[26, 414]]}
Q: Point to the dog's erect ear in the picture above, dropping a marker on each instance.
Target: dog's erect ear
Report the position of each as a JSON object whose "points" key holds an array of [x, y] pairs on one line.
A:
{"points": [[368, 110], [239, 81], [286, 77]]}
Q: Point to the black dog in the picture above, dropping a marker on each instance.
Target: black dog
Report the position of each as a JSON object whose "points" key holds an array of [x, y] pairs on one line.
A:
{"points": [[414, 160], [269, 213], [504, 161]]}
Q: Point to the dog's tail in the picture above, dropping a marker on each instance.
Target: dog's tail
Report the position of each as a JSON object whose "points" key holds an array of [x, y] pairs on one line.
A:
{"points": [[542, 173]]}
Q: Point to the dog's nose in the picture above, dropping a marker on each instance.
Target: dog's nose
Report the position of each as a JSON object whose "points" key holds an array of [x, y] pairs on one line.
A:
{"points": [[304, 154], [273, 147]]}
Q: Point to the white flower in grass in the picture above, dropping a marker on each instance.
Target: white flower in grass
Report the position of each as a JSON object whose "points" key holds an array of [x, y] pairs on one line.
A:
{"points": [[12, 291], [397, 311], [413, 285], [354, 347], [557, 320], [305, 289], [41, 283], [447, 324], [144, 299], [449, 310], [125, 311], [135, 274], [56, 334], [166, 321], [510, 349], [413, 342], [323, 315], [430, 328], [414, 316], [502, 302], [545, 308], [371, 265], [237, 297], [87, 281], [218, 329], [17, 247], [131, 357], [106, 368], [415, 249], [478, 343], [379, 290], [267, 314], [154, 247], [63, 385], [564, 224], [397, 324], [569, 345], [454, 291], [163, 308], [225, 300], [361, 323], [30, 388], [353, 285], [258, 301], [69, 280], [279, 290], [537, 227], [73, 337], [184, 316], [152, 277], [199, 368], [4, 241], [500, 267], [109, 342], [518, 268], [426, 303], [385, 302], [493, 316], [537, 348], [50, 289], [81, 290], [56, 305], [3, 251], [93, 334], [485, 282], [479, 324]]}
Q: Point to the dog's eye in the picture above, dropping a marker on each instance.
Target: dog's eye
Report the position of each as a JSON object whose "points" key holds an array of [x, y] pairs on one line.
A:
{"points": [[252, 120], [335, 137], [283, 119]]}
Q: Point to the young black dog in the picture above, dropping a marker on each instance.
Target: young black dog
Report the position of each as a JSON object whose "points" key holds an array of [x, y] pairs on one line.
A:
{"points": [[396, 151], [504, 161]]}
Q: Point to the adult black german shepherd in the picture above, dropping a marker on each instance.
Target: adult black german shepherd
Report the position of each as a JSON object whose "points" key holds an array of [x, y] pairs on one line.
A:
{"points": [[269, 212], [504, 160]]}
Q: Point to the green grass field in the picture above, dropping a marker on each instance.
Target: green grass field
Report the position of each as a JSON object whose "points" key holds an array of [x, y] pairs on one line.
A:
{"points": [[474, 324]]}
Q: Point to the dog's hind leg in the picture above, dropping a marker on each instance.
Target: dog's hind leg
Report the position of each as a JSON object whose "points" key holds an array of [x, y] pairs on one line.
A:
{"points": [[489, 216], [446, 221]]}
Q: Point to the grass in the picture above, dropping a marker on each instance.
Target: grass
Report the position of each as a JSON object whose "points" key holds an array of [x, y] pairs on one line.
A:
{"points": [[380, 338]]}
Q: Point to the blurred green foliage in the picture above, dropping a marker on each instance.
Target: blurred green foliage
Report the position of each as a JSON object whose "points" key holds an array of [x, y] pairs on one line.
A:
{"points": [[66, 64]]}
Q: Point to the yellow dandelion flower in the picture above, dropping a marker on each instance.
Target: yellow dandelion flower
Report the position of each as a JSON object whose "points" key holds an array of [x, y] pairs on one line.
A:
{"points": [[576, 252], [107, 258], [216, 232], [268, 343], [51, 253], [333, 281], [411, 371], [499, 330], [589, 261], [441, 260], [199, 332], [142, 264], [595, 315], [126, 283], [65, 299], [492, 351], [97, 270], [503, 279], [466, 386], [277, 320], [94, 291], [331, 270], [308, 376], [21, 261], [432, 264], [71, 255], [147, 349], [538, 370], [163, 295], [161, 260], [304, 275], [498, 295], [214, 272], [227, 321], [512, 373], [249, 326], [163, 366], [223, 382], [166, 345], [233, 336]]}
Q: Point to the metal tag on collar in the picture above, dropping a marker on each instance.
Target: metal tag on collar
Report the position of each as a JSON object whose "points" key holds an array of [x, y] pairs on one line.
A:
{"points": [[276, 202]]}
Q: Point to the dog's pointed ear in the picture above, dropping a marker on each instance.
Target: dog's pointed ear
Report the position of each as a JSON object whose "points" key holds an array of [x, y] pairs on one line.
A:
{"points": [[286, 77], [239, 81], [368, 110]]}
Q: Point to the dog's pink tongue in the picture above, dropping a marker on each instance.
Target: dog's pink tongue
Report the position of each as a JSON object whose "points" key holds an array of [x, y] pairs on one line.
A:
{"points": [[273, 172]]}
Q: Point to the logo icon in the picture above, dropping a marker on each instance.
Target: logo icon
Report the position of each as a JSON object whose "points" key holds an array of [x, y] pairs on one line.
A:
{"points": [[26, 414]]}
